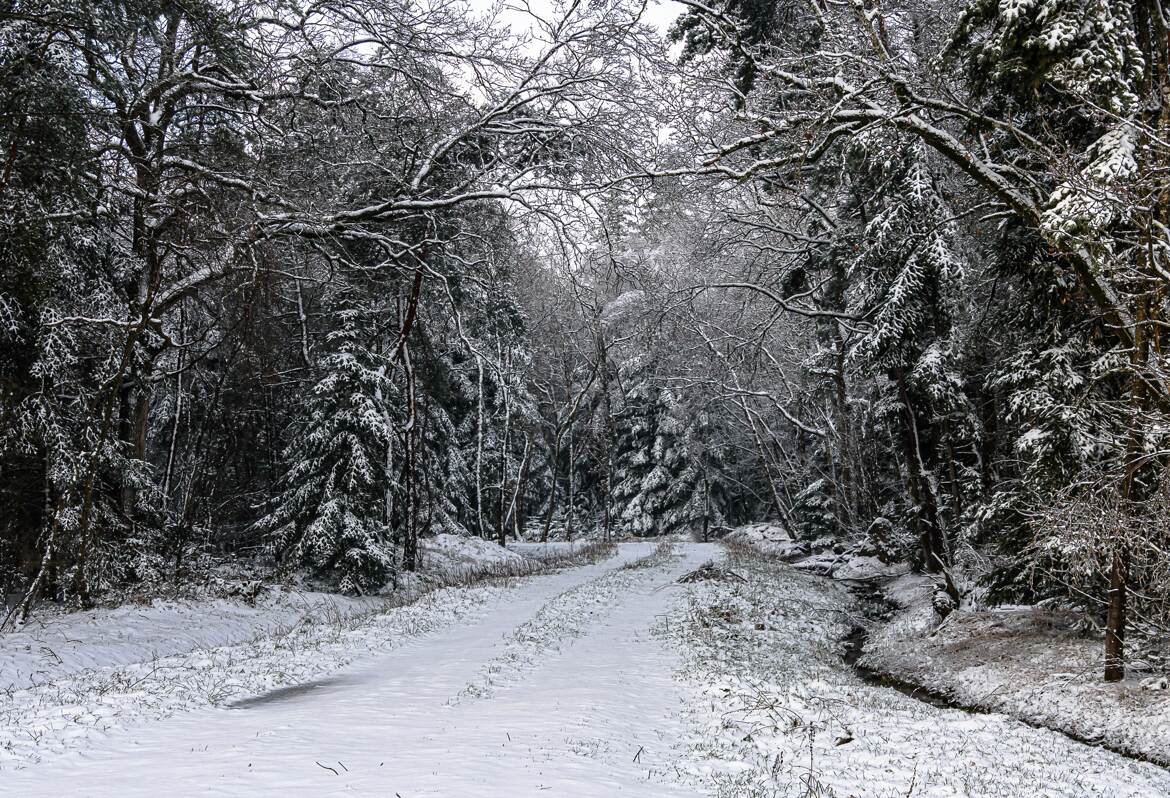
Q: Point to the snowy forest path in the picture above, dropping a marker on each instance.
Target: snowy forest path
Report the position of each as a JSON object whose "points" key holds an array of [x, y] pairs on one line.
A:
{"points": [[557, 688]]}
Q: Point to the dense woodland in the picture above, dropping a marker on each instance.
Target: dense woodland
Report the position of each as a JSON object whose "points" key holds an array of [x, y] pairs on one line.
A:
{"points": [[301, 282]]}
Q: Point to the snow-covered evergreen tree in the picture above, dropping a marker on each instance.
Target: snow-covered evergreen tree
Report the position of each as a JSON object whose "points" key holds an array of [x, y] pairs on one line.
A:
{"points": [[638, 490], [698, 499], [332, 513], [669, 476], [906, 276]]}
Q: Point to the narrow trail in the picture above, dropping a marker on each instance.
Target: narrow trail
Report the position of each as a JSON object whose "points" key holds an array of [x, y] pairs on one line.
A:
{"points": [[559, 687]]}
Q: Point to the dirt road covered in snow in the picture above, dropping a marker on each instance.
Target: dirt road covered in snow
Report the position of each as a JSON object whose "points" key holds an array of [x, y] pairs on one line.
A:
{"points": [[609, 679], [556, 687]]}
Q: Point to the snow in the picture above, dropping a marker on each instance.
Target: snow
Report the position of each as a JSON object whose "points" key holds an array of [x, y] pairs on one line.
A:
{"points": [[773, 540], [864, 567], [49, 648], [621, 307], [775, 711], [770, 539], [78, 709], [585, 707], [544, 551], [1032, 663], [606, 679], [447, 552]]}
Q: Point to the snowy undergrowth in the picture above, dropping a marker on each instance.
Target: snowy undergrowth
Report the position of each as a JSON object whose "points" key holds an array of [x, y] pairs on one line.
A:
{"points": [[551, 549], [565, 617], [51, 645], [80, 702], [776, 712], [55, 717], [770, 539], [1028, 662]]}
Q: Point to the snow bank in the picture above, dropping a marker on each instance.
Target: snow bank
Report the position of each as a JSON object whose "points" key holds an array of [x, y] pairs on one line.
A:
{"points": [[447, 553], [865, 568], [50, 646], [55, 717], [1029, 662], [54, 644], [770, 539], [551, 550], [777, 712]]}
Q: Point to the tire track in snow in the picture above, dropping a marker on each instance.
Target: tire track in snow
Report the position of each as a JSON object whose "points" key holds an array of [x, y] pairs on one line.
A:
{"points": [[71, 712], [564, 618]]}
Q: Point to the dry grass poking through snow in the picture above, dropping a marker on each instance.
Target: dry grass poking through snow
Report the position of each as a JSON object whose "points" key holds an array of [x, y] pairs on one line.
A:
{"points": [[1028, 662], [62, 714], [776, 712]]}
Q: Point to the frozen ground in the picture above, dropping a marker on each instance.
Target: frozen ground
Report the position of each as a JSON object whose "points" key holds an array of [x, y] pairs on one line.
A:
{"points": [[52, 645], [554, 686], [777, 713], [1029, 662], [49, 648], [607, 679]]}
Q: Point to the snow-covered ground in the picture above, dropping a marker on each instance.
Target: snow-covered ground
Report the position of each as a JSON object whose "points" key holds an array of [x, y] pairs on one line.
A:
{"points": [[549, 550], [777, 713], [52, 645], [770, 539], [46, 649], [1029, 662], [555, 687], [606, 679]]}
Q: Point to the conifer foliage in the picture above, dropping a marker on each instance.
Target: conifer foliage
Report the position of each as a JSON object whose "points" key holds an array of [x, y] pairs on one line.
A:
{"points": [[333, 512], [309, 284]]}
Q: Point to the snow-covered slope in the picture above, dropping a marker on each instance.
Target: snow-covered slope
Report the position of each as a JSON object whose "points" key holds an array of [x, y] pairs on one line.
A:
{"points": [[776, 712], [1029, 662]]}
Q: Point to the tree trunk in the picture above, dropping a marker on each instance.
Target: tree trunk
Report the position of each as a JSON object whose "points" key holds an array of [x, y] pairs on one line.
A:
{"points": [[934, 550], [513, 506], [1115, 621], [1115, 617]]}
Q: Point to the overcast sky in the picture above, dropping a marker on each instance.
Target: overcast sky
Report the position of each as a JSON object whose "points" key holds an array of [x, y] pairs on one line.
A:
{"points": [[659, 13]]}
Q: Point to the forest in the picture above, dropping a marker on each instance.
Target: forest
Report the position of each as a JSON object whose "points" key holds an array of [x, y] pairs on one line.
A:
{"points": [[307, 282]]}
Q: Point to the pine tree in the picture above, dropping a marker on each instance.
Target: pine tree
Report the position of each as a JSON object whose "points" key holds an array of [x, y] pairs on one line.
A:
{"points": [[333, 513], [699, 495], [1089, 78], [636, 432], [907, 276], [661, 482]]}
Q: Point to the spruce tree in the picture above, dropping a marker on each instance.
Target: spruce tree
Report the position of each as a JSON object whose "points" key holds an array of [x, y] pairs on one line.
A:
{"points": [[332, 514], [635, 490]]}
